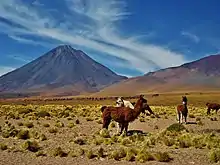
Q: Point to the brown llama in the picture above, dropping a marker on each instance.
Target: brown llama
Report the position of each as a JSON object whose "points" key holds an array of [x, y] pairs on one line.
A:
{"points": [[122, 115], [212, 106], [182, 110]]}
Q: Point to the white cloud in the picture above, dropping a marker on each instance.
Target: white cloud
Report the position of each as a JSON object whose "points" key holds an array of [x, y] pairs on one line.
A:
{"points": [[96, 30], [31, 42], [37, 3], [191, 36], [5, 69]]}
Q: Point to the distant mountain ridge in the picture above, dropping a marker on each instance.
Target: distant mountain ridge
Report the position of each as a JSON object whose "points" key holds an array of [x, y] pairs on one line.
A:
{"points": [[61, 71], [197, 76]]}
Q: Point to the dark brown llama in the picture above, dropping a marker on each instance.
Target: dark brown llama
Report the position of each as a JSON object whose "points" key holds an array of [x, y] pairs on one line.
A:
{"points": [[147, 107], [122, 115], [212, 106], [182, 110]]}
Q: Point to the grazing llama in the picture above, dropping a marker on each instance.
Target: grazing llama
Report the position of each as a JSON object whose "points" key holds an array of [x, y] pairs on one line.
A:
{"points": [[212, 106], [182, 110], [121, 102], [122, 115]]}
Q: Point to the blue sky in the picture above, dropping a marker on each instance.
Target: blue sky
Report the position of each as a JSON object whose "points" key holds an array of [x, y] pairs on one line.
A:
{"points": [[131, 37]]}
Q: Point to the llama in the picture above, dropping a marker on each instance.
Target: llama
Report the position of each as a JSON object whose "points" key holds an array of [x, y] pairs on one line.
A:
{"points": [[213, 106], [122, 115], [121, 102], [182, 110]]}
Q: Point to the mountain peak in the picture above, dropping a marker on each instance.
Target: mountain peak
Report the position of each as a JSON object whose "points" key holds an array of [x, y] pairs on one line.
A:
{"points": [[63, 68]]}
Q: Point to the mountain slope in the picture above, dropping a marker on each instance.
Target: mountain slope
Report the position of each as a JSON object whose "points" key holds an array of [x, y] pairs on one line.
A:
{"points": [[196, 76], [63, 71]]}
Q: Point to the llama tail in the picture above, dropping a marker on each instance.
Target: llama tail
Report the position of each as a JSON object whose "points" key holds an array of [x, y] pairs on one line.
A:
{"points": [[103, 108]]}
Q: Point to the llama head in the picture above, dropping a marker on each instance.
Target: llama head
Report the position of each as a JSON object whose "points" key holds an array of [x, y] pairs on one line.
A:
{"points": [[184, 99], [120, 102]]}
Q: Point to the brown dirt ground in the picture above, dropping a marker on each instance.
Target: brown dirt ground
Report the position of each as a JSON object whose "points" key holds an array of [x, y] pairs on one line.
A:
{"points": [[181, 156]]}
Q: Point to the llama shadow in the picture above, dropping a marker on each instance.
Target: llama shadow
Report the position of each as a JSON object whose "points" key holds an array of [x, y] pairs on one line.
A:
{"points": [[139, 132], [191, 122]]}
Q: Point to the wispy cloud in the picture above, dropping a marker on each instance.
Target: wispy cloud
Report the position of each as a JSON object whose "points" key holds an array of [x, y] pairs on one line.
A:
{"points": [[191, 36], [21, 58], [96, 30], [5, 69], [31, 42], [37, 3]]}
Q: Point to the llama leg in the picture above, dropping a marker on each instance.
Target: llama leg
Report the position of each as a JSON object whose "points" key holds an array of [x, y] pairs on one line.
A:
{"points": [[179, 117], [126, 128], [119, 127], [182, 118], [122, 128], [208, 111], [186, 119], [106, 122]]}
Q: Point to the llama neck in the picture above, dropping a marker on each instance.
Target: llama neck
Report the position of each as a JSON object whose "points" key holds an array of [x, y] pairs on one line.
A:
{"points": [[137, 109]]}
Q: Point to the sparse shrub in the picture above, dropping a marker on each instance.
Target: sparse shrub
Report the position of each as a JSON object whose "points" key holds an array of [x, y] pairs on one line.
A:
{"points": [[108, 141], [53, 130], [43, 137], [20, 124], [214, 155], [191, 116], [59, 152], [80, 141], [23, 134], [25, 111], [77, 121], [98, 141], [9, 131], [131, 153], [168, 141], [112, 125], [71, 125], [126, 141], [77, 152], [46, 125], [29, 124], [69, 118], [185, 141], [176, 127], [144, 156], [90, 154], [162, 157], [198, 141], [118, 154], [141, 120], [200, 123], [34, 134], [3, 146], [198, 119], [156, 127], [89, 119], [100, 152], [32, 146], [99, 121], [59, 124], [41, 153], [104, 133], [43, 114]]}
